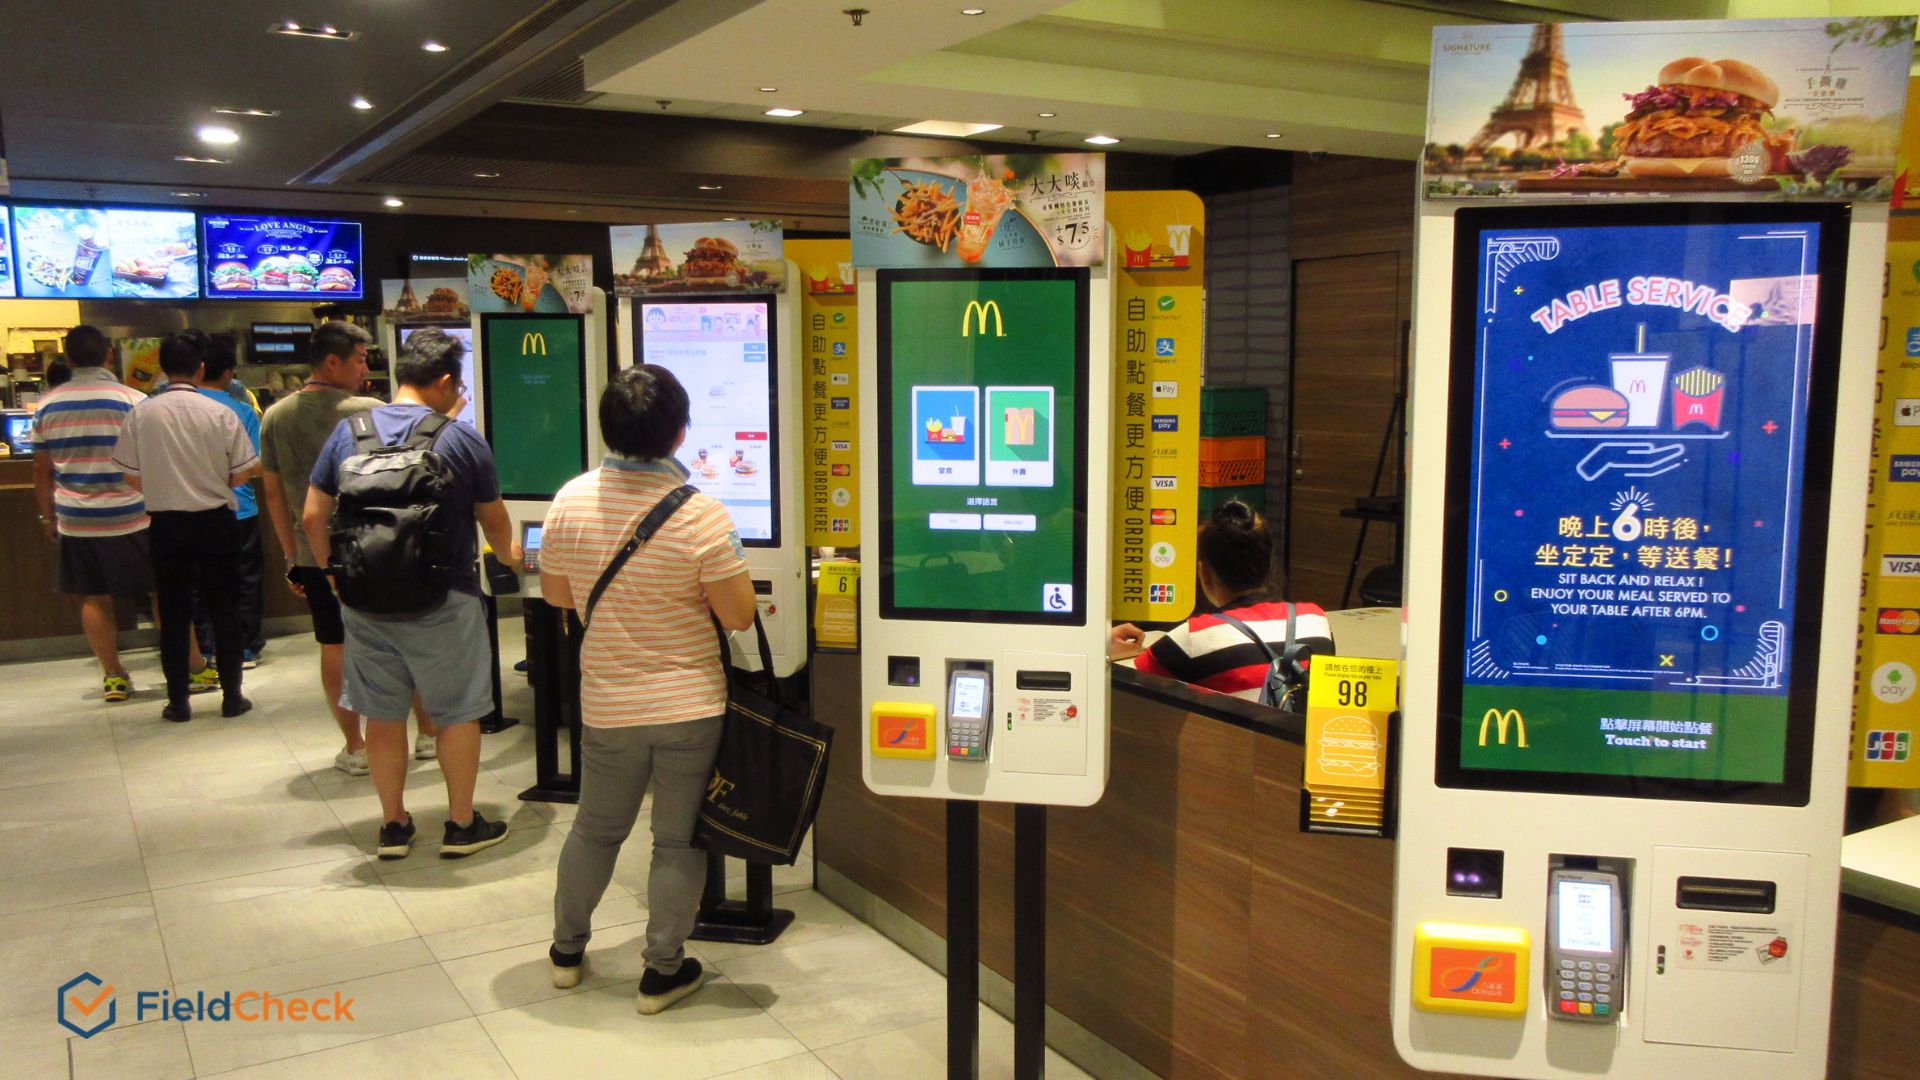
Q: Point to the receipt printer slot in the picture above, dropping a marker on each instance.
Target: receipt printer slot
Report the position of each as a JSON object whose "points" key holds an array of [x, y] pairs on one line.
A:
{"points": [[1059, 682], [762, 588], [1724, 894]]}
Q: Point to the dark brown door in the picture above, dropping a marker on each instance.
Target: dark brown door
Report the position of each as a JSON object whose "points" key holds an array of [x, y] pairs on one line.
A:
{"points": [[1346, 345]]}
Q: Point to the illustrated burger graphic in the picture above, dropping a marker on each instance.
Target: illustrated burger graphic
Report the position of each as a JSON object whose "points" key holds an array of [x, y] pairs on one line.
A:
{"points": [[1350, 746], [1698, 117], [1586, 408]]}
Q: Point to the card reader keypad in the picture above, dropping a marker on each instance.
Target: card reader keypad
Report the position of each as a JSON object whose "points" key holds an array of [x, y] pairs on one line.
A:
{"points": [[1586, 988], [967, 742]]}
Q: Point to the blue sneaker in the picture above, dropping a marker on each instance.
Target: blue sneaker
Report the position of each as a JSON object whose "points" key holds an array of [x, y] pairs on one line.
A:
{"points": [[251, 659]]}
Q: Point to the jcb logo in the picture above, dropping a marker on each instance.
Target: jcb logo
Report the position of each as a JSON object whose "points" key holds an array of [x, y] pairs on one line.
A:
{"points": [[533, 344], [719, 788], [976, 317], [1501, 720]]}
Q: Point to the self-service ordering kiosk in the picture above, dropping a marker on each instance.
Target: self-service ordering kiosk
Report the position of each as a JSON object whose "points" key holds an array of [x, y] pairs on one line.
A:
{"points": [[984, 623], [737, 356], [1640, 445]]}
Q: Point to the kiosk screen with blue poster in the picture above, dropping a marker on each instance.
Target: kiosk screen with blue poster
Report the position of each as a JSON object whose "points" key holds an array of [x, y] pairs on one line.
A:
{"points": [[1643, 408], [983, 421]]}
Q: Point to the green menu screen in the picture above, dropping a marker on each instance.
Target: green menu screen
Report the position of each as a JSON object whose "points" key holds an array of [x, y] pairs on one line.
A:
{"points": [[535, 401]]}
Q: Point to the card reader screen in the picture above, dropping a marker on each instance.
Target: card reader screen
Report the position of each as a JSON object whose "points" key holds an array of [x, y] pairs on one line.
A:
{"points": [[969, 697], [1586, 916]]}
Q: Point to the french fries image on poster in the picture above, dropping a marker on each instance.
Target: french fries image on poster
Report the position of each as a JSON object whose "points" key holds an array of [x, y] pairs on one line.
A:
{"points": [[1020, 446], [946, 435]]}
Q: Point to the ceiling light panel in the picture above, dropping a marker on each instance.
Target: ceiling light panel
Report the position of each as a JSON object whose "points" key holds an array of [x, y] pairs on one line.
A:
{"points": [[786, 112], [316, 31], [226, 110], [953, 129]]}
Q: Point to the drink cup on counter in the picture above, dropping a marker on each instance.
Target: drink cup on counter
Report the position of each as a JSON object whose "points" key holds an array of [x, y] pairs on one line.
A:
{"points": [[1641, 378]]}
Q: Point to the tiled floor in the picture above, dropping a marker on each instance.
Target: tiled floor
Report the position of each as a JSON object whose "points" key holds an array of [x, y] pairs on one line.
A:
{"points": [[229, 855]]}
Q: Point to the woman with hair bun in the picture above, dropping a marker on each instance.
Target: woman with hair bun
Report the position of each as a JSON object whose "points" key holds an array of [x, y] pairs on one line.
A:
{"points": [[1236, 564]]}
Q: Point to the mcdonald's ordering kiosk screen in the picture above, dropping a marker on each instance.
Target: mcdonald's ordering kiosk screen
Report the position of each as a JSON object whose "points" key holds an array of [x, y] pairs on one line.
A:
{"points": [[1642, 403], [983, 420], [535, 400], [723, 353]]}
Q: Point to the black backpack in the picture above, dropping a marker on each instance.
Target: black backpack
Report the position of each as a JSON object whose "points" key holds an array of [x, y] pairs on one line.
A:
{"points": [[392, 542], [1286, 683]]}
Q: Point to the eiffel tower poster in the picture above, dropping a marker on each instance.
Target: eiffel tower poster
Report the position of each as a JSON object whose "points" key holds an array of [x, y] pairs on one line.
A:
{"points": [[1539, 110]]}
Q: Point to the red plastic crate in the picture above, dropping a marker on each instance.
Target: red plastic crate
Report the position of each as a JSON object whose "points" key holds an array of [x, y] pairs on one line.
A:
{"points": [[1226, 462]]}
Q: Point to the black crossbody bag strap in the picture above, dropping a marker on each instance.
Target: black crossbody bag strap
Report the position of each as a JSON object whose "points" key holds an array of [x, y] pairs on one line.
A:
{"points": [[650, 524], [365, 439]]}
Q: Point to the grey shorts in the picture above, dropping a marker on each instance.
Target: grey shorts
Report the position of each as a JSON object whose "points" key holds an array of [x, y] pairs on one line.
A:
{"points": [[105, 565], [442, 654]]}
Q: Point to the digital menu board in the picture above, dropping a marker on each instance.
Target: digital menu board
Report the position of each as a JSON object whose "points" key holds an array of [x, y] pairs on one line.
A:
{"points": [[723, 353], [464, 334], [983, 420], [9, 284], [94, 252], [1643, 403], [534, 374], [278, 257]]}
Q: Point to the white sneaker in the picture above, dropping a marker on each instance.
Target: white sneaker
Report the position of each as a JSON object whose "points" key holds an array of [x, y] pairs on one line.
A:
{"points": [[351, 762], [566, 976], [425, 748]]}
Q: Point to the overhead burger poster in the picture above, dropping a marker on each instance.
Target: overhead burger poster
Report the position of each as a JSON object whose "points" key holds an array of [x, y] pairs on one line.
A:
{"points": [[1795, 108], [699, 257]]}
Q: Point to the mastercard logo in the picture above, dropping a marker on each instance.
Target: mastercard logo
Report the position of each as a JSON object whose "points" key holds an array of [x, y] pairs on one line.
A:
{"points": [[1899, 621]]}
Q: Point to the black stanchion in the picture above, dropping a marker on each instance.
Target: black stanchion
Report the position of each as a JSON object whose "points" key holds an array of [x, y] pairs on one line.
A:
{"points": [[553, 658], [753, 921], [498, 721], [1029, 941], [963, 939]]}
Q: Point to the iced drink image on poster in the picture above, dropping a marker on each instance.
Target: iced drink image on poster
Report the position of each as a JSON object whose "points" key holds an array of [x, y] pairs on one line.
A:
{"points": [[257, 257], [1635, 539], [983, 479], [723, 355], [96, 252]]}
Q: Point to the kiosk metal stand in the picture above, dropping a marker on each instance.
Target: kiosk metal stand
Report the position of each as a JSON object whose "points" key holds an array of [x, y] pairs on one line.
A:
{"points": [[753, 921], [1029, 940], [553, 662], [498, 720]]}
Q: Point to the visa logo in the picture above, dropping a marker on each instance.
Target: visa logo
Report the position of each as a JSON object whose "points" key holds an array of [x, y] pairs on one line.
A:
{"points": [[1172, 483], [1166, 423], [843, 445], [1900, 566]]}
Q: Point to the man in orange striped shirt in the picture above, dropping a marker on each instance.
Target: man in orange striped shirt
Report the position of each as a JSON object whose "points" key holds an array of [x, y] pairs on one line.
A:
{"points": [[652, 693]]}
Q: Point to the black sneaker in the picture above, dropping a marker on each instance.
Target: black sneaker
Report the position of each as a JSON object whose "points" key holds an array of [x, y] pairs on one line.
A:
{"points": [[177, 711], [479, 834], [396, 840], [658, 991], [236, 707]]}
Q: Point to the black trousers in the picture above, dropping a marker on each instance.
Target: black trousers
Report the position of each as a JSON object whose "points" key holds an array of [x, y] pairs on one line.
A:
{"points": [[195, 550], [248, 567]]}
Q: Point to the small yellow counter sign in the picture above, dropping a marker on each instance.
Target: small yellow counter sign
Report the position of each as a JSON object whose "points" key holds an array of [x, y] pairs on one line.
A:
{"points": [[836, 606], [1350, 703]]}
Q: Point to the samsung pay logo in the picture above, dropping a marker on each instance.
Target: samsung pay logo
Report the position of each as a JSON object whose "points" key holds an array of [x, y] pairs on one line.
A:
{"points": [[1900, 566]]}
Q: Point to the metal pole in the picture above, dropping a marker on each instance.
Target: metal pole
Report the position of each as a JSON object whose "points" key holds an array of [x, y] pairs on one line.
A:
{"points": [[963, 939], [1029, 941]]}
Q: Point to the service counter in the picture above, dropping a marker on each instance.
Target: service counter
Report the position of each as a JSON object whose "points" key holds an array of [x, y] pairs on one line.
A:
{"points": [[1193, 927]]}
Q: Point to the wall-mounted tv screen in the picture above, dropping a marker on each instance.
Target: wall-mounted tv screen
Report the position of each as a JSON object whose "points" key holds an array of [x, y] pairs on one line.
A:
{"points": [[280, 343], [9, 271], [282, 257], [96, 252]]}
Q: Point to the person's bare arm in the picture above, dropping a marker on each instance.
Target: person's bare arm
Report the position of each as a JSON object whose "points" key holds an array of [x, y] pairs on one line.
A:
{"points": [[244, 475], [498, 528], [556, 590], [731, 600], [277, 513], [316, 519], [43, 491]]}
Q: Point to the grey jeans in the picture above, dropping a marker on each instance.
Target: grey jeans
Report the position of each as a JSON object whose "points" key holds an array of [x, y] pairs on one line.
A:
{"points": [[616, 765]]}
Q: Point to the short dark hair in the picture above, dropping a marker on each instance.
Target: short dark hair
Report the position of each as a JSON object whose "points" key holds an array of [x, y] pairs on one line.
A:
{"points": [[58, 374], [220, 361], [428, 355], [643, 411], [87, 346], [182, 353], [1237, 547], [336, 338]]}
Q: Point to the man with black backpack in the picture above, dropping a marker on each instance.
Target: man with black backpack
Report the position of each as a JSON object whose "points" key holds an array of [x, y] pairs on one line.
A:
{"points": [[390, 514]]}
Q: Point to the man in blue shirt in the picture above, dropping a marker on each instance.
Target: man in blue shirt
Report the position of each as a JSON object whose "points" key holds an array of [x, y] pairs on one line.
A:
{"points": [[216, 381], [440, 655]]}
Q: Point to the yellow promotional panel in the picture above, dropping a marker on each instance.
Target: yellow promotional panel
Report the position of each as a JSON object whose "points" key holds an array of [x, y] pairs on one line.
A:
{"points": [[1350, 702], [1474, 970], [836, 605], [1885, 709], [831, 401], [903, 729], [1906, 185], [1159, 346]]}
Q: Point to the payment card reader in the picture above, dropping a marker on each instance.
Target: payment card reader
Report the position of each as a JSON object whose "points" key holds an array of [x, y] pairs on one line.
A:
{"points": [[969, 714], [530, 532], [1586, 946]]}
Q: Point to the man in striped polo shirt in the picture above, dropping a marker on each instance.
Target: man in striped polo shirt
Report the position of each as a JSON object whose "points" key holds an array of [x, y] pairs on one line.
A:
{"points": [[98, 521]]}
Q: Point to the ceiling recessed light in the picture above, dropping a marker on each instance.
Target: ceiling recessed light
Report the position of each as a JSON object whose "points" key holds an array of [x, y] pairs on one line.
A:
{"points": [[486, 176], [362, 103], [190, 194], [433, 46], [729, 219], [191, 160], [954, 129], [769, 89], [709, 187], [391, 201], [1273, 134], [305, 30], [229, 111], [973, 11], [1046, 116], [1102, 140], [786, 112], [215, 135]]}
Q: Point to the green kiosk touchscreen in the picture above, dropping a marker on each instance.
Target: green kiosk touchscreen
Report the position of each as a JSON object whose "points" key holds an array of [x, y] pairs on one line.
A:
{"points": [[982, 454], [533, 395]]}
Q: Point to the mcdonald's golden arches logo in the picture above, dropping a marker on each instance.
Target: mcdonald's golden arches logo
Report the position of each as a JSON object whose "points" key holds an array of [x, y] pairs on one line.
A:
{"points": [[976, 317], [533, 343], [1501, 720]]}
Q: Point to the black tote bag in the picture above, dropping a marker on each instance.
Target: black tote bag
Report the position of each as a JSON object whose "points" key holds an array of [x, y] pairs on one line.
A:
{"points": [[770, 772]]}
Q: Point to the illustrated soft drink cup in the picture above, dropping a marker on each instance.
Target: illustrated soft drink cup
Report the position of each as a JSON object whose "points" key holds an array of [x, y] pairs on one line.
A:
{"points": [[1641, 378], [1178, 238], [959, 426]]}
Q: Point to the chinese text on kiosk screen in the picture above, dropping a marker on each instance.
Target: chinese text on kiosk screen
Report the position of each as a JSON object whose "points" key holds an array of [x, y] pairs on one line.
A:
{"points": [[1633, 520], [1585, 916], [985, 376], [720, 353]]}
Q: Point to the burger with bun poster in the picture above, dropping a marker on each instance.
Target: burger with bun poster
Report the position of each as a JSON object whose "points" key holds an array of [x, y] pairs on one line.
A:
{"points": [[699, 257]]}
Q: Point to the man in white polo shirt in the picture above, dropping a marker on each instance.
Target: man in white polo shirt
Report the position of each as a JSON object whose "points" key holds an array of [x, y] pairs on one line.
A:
{"points": [[185, 453]]}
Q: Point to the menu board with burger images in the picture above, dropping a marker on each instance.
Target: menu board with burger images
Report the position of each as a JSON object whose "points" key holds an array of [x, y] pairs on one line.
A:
{"points": [[92, 252], [1793, 108], [723, 354], [1635, 543], [262, 257], [9, 286], [983, 421]]}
